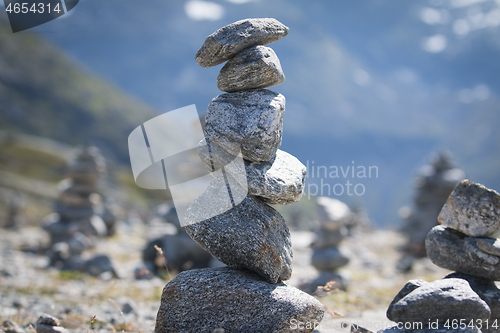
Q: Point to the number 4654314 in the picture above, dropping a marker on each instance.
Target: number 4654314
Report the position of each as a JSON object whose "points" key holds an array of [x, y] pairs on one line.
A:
{"points": [[36, 8]]}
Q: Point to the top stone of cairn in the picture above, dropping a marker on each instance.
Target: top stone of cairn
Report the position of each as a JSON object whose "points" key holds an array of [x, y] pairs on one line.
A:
{"points": [[472, 209], [226, 42]]}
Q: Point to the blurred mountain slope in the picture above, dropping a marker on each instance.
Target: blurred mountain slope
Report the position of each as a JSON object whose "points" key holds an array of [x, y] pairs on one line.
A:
{"points": [[44, 93]]}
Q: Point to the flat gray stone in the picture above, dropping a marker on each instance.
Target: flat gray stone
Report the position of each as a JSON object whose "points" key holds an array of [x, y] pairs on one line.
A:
{"points": [[251, 235], [226, 42], [250, 120], [486, 289], [255, 67], [455, 251], [204, 300], [332, 214], [328, 259], [439, 301], [439, 329], [277, 182], [472, 209]]}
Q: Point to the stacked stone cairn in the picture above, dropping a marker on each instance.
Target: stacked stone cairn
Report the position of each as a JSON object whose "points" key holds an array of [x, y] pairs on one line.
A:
{"points": [[251, 238], [334, 217], [467, 300], [76, 224], [434, 183]]}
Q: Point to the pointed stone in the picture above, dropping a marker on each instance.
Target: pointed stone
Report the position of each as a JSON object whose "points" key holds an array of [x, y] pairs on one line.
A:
{"points": [[250, 121], [251, 235], [226, 42]]}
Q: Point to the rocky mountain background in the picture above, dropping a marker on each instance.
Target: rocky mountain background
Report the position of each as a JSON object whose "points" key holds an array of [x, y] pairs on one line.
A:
{"points": [[375, 82]]}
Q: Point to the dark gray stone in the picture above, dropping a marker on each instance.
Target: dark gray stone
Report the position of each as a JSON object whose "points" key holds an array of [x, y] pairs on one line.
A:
{"points": [[408, 288], [277, 182], [328, 259], [231, 39], [100, 266], [236, 301], [251, 235], [10, 326], [439, 329], [250, 120], [472, 209], [456, 251], [252, 68], [180, 252], [486, 289], [439, 300], [49, 324], [341, 282]]}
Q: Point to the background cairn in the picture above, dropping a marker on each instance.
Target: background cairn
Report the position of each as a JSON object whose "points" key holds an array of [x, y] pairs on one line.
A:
{"points": [[77, 223], [251, 238], [334, 217], [434, 183], [467, 300]]}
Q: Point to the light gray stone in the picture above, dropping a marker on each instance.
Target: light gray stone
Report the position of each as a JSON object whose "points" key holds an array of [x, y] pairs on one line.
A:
{"points": [[277, 182], [456, 251], [226, 42], [254, 67], [237, 301], [439, 301], [250, 235], [250, 120], [332, 214], [472, 209], [328, 259], [489, 246]]}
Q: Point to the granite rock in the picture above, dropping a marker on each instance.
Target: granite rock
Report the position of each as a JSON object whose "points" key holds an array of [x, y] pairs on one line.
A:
{"points": [[252, 68], [328, 259], [250, 120], [237, 301], [332, 213], [279, 181], [226, 42], [439, 300], [453, 250], [408, 288], [250, 235], [472, 209], [486, 289]]}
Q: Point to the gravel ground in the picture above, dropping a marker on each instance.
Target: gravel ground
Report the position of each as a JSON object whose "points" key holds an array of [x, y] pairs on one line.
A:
{"points": [[28, 288]]}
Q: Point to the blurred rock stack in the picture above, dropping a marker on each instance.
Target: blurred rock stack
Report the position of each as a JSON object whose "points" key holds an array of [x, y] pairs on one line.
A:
{"points": [[467, 300], [250, 237], [334, 217], [434, 184], [77, 222]]}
